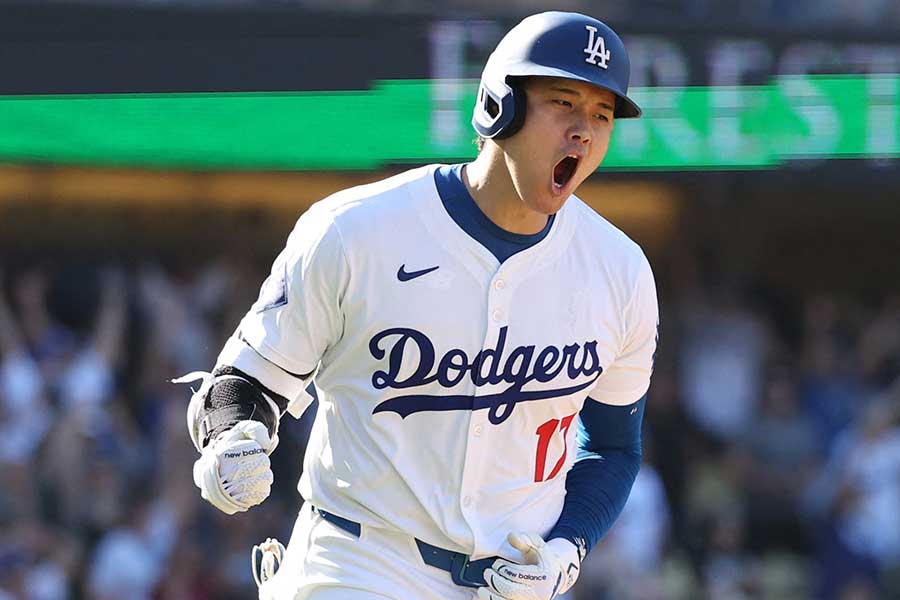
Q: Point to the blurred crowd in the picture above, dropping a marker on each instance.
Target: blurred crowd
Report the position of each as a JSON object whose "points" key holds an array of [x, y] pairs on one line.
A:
{"points": [[97, 498], [771, 443]]}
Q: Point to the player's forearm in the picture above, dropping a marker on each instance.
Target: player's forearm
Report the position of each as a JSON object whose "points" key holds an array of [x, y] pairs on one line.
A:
{"points": [[240, 397], [598, 485], [596, 492]]}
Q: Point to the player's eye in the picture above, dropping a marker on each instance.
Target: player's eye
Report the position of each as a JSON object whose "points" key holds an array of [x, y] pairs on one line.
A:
{"points": [[562, 102], [601, 117]]}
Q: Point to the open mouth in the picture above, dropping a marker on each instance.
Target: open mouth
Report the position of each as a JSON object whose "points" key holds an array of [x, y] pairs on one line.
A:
{"points": [[564, 170]]}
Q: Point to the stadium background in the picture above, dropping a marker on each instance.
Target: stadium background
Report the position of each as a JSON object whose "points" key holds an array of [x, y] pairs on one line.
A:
{"points": [[154, 156]]}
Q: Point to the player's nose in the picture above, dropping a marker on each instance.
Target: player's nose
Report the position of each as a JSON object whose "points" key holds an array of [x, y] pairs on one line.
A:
{"points": [[579, 131], [581, 137]]}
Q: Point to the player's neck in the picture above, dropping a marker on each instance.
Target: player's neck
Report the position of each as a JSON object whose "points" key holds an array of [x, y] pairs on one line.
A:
{"points": [[490, 185]]}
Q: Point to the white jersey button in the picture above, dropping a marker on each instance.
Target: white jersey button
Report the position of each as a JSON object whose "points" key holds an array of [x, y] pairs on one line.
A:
{"points": [[467, 500], [498, 315], [499, 284], [477, 430]]}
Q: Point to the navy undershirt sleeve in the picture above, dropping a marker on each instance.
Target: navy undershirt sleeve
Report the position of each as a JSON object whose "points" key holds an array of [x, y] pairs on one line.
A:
{"points": [[597, 486]]}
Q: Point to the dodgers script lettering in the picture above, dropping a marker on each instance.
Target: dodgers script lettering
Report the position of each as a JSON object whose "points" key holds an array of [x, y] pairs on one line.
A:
{"points": [[519, 366]]}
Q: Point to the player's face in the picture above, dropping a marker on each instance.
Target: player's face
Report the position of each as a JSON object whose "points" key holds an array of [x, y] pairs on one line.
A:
{"points": [[564, 139]]}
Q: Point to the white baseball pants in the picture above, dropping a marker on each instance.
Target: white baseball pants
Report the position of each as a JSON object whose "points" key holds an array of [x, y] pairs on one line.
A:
{"points": [[324, 562]]}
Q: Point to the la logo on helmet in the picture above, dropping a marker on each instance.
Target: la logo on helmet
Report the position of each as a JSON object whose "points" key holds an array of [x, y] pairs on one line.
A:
{"points": [[596, 48]]}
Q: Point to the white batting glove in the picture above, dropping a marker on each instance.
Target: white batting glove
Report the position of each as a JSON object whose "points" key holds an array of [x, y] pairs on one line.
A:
{"points": [[234, 472], [549, 569]]}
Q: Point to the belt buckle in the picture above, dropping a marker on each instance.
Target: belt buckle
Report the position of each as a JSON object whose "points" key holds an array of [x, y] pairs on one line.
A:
{"points": [[458, 566]]}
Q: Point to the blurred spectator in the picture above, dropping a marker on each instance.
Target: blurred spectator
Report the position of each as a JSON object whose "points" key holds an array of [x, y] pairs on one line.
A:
{"points": [[857, 495], [831, 388], [23, 404], [675, 440], [729, 572], [879, 346], [724, 345], [130, 560], [783, 454], [86, 384]]}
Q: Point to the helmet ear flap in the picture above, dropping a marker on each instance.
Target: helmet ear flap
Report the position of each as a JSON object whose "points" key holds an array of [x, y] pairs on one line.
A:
{"points": [[499, 108], [520, 103]]}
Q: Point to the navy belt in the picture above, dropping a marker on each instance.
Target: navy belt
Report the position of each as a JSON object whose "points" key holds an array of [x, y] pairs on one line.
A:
{"points": [[464, 572]]}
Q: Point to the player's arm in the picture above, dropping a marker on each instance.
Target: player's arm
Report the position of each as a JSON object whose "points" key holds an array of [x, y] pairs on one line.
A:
{"points": [[597, 486], [245, 386], [264, 368], [608, 461], [609, 431], [233, 422]]}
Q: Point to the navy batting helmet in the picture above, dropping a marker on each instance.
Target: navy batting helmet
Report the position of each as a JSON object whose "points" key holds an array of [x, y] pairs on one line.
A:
{"points": [[550, 44]]}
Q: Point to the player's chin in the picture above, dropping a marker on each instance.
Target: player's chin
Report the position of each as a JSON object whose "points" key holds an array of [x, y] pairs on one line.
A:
{"points": [[556, 195], [548, 203]]}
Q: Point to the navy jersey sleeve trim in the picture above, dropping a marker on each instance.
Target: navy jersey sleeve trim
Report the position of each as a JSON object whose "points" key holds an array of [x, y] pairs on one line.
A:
{"points": [[597, 486]]}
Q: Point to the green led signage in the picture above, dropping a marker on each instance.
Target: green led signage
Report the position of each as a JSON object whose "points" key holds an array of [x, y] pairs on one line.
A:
{"points": [[796, 117]]}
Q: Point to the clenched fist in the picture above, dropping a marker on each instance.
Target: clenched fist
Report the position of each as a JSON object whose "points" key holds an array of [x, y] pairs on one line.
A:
{"points": [[547, 570], [234, 472]]}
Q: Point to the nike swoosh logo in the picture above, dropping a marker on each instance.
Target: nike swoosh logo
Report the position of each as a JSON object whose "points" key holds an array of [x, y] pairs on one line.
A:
{"points": [[404, 275]]}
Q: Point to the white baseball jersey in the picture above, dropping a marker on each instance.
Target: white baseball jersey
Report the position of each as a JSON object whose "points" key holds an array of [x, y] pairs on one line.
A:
{"points": [[448, 383]]}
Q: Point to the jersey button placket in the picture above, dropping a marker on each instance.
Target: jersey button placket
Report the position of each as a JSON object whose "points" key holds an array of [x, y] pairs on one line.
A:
{"points": [[498, 300], [480, 433], [475, 450]]}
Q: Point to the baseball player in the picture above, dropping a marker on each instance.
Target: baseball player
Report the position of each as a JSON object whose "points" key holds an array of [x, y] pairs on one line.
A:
{"points": [[481, 344]]}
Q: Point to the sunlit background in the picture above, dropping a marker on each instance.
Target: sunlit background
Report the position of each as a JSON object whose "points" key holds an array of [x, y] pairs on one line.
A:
{"points": [[155, 154]]}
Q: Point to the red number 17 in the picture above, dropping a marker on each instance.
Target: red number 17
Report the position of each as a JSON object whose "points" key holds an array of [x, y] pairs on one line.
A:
{"points": [[545, 433]]}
